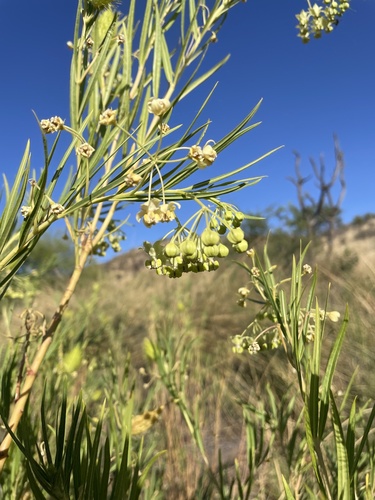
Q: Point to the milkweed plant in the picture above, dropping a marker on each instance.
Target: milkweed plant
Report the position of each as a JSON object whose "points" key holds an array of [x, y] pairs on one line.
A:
{"points": [[125, 144]]}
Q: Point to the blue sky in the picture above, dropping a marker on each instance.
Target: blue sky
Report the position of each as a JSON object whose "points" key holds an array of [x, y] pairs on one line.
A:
{"points": [[309, 92]]}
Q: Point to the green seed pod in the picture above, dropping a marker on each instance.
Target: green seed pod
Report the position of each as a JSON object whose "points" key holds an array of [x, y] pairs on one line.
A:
{"points": [[241, 247], [210, 237], [236, 235], [171, 250], [223, 250], [211, 251], [188, 247]]}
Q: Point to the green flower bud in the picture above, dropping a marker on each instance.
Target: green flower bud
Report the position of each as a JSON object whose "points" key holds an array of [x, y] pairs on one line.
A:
{"points": [[241, 247], [222, 229], [215, 265], [211, 251], [239, 216], [223, 250], [228, 215], [156, 263], [210, 237], [188, 247], [192, 257], [214, 224], [171, 250], [236, 235], [177, 261]]}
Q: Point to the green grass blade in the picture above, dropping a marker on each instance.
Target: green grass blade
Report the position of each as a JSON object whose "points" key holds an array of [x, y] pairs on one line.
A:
{"points": [[288, 492]]}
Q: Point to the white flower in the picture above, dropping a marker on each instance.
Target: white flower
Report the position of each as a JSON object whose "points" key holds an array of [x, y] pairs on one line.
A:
{"points": [[158, 106]]}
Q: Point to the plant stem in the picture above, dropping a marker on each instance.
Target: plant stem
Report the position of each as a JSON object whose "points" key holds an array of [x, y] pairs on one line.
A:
{"points": [[32, 372]]}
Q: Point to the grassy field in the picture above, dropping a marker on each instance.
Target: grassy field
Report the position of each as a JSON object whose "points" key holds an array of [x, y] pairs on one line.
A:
{"points": [[246, 408]]}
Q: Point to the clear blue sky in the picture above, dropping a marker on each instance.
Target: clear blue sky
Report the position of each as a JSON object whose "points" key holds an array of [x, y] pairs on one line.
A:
{"points": [[309, 91]]}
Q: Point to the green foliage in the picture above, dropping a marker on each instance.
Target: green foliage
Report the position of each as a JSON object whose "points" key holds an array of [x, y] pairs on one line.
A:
{"points": [[295, 321]]}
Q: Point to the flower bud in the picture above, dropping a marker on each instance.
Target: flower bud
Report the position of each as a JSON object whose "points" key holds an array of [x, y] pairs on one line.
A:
{"points": [[188, 247], [223, 251], [241, 247], [211, 250], [210, 237], [171, 250], [236, 235], [158, 106]]}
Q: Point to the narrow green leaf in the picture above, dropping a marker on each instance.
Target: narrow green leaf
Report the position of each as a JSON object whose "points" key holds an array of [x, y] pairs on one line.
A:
{"points": [[313, 396], [97, 69], [166, 60], [311, 446], [74, 76], [145, 33], [156, 65], [350, 439], [201, 79], [45, 436], [331, 366], [364, 438], [14, 199], [343, 477], [288, 492]]}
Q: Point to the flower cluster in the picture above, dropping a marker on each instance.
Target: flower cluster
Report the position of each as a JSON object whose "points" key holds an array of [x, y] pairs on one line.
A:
{"points": [[52, 125], [132, 179], [203, 156], [317, 19], [153, 211], [108, 117], [111, 240], [85, 150], [252, 345], [191, 252], [26, 211]]}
